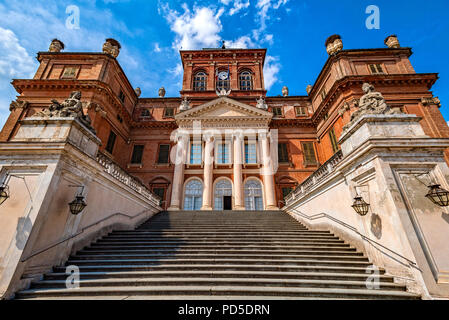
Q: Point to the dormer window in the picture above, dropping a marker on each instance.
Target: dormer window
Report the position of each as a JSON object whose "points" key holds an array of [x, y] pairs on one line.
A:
{"points": [[69, 73], [245, 81], [277, 111], [145, 113], [376, 69], [199, 81], [169, 112], [301, 111]]}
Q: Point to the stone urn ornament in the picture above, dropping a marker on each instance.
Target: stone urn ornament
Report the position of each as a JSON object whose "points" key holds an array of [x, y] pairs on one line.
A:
{"points": [[285, 91], [161, 92]]}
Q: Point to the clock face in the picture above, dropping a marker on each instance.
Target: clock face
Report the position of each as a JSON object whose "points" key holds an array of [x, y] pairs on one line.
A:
{"points": [[223, 75]]}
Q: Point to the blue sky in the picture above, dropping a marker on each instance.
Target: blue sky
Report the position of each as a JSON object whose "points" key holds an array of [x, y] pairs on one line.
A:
{"points": [[152, 31]]}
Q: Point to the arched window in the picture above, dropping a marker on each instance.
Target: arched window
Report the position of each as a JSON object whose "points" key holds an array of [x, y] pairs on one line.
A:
{"points": [[253, 195], [245, 81], [199, 81], [193, 197], [223, 195]]}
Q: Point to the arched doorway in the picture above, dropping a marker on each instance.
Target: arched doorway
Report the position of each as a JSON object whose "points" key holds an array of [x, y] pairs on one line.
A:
{"points": [[223, 195], [193, 195], [253, 195]]}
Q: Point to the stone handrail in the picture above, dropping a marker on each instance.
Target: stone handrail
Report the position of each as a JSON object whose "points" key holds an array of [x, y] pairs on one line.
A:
{"points": [[316, 177], [118, 173]]}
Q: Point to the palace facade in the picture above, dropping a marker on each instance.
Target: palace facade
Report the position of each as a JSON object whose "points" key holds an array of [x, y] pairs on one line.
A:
{"points": [[223, 144]]}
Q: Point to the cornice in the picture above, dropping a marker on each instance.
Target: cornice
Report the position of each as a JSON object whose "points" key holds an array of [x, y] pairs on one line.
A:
{"points": [[389, 79]]}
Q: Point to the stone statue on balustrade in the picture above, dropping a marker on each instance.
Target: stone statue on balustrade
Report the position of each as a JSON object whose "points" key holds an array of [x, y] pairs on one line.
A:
{"points": [[261, 104], [70, 108], [372, 102]]}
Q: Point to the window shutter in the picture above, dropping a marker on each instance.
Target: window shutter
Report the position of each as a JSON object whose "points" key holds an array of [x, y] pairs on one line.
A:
{"points": [[163, 153]]}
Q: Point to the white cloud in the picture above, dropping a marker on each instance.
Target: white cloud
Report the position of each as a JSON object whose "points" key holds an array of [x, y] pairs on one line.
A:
{"points": [[238, 6], [14, 59], [243, 42], [194, 29], [264, 6], [270, 71], [157, 48]]}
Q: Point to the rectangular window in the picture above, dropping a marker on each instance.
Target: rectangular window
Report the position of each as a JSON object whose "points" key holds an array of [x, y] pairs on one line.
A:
{"points": [[169, 112], [164, 153], [121, 96], [160, 192], [277, 111], [333, 139], [300, 111], [137, 154], [286, 191], [223, 153], [196, 153], [309, 154], [283, 153], [69, 73], [376, 68], [250, 153], [111, 142]]}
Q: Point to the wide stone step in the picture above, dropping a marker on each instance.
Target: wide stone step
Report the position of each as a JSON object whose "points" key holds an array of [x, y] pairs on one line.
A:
{"points": [[225, 274], [220, 291], [104, 256], [219, 236], [219, 267], [178, 261], [236, 252], [250, 282], [105, 246], [219, 241]]}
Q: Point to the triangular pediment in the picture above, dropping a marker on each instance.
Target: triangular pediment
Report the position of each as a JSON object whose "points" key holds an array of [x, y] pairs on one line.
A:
{"points": [[224, 108]]}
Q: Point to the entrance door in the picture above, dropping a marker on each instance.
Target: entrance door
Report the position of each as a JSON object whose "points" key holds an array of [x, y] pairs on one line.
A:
{"points": [[223, 195], [227, 203]]}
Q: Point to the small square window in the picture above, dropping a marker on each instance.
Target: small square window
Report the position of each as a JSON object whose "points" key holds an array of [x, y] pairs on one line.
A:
{"points": [[277, 111], [323, 94], [169, 112], [69, 73], [301, 111], [376, 68]]}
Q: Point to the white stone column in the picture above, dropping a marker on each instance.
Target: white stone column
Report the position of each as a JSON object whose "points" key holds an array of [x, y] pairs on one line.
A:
{"points": [[267, 173], [178, 176], [208, 172], [238, 179]]}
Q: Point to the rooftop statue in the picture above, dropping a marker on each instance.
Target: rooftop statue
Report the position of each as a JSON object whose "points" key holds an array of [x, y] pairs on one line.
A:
{"points": [[261, 104], [185, 105], [372, 102], [161, 92], [70, 108]]}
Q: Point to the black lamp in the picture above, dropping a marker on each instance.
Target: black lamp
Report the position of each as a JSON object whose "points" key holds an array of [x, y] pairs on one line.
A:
{"points": [[4, 193], [360, 206], [438, 195], [78, 205]]}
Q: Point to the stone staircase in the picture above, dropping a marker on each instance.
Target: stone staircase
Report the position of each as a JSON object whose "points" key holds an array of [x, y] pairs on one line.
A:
{"points": [[218, 255]]}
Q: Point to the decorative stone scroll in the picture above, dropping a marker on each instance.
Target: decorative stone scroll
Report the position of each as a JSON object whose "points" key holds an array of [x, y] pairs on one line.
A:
{"points": [[372, 102], [70, 108]]}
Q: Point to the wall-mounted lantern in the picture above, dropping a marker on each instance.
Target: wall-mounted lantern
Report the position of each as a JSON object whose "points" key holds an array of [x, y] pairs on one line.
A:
{"points": [[78, 204], [438, 195], [360, 206], [4, 193]]}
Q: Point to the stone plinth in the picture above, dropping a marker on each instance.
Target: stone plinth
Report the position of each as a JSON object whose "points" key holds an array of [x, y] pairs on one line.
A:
{"points": [[58, 130], [380, 126]]}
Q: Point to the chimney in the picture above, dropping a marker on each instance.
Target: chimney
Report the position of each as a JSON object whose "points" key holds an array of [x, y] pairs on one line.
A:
{"points": [[392, 42], [333, 44], [112, 47], [56, 46]]}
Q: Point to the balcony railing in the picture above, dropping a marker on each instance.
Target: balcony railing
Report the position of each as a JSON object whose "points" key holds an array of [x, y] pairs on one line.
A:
{"points": [[326, 169], [121, 175]]}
